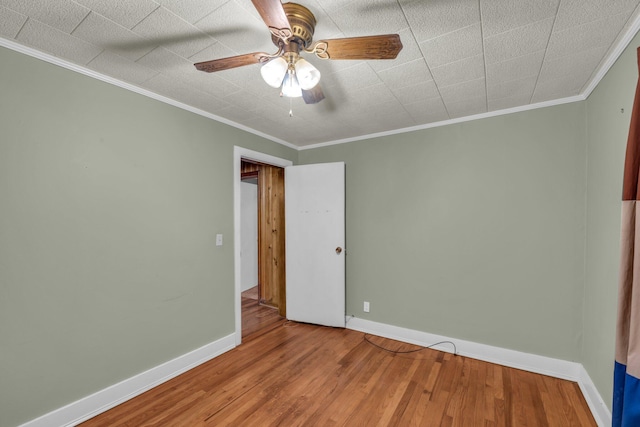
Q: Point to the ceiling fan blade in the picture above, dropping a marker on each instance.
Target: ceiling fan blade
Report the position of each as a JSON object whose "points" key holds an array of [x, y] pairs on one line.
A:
{"points": [[232, 62], [313, 95], [274, 16], [385, 46]]}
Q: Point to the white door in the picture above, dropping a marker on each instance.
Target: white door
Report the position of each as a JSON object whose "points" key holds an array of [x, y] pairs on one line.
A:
{"points": [[314, 212]]}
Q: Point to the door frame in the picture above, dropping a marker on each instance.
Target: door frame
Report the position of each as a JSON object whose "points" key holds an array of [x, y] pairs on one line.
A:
{"points": [[240, 153]]}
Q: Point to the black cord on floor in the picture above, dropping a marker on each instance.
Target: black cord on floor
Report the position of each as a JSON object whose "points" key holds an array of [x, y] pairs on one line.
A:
{"points": [[455, 350]]}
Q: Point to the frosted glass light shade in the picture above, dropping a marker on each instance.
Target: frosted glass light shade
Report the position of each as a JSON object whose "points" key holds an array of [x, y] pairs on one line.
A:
{"points": [[274, 71], [308, 75], [290, 86]]}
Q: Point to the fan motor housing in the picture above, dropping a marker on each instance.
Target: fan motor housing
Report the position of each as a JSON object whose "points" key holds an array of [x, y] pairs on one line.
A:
{"points": [[302, 23]]}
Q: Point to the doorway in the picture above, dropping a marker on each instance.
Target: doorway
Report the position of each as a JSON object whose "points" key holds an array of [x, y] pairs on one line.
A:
{"points": [[271, 176], [270, 232]]}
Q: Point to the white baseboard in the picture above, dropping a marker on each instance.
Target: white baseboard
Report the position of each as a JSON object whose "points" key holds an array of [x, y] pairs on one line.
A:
{"points": [[598, 407], [557, 368], [94, 404], [515, 359]]}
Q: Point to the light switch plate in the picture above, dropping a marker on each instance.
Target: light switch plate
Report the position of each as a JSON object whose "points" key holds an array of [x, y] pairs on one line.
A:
{"points": [[218, 239]]}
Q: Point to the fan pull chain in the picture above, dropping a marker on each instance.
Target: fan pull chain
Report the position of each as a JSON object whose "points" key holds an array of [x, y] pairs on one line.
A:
{"points": [[290, 107]]}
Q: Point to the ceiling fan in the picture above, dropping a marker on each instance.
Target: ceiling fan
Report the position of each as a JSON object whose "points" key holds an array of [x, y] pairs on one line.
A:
{"points": [[292, 26]]}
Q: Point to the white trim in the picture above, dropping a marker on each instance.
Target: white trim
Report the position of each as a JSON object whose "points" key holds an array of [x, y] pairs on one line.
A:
{"points": [[94, 404], [598, 407], [614, 55], [450, 122], [608, 63], [128, 86], [557, 368], [9, 44], [240, 153], [103, 400], [515, 359]]}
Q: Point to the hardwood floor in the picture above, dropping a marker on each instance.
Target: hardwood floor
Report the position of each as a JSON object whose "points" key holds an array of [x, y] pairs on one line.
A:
{"points": [[292, 374], [257, 319]]}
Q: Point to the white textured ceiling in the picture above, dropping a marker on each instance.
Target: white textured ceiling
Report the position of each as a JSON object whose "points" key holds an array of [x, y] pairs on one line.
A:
{"points": [[460, 57]]}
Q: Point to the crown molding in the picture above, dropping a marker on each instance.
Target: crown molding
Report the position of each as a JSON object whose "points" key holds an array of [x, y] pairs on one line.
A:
{"points": [[615, 54], [450, 122], [133, 88], [616, 51]]}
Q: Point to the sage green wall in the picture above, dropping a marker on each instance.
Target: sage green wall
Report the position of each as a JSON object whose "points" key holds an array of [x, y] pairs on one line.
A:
{"points": [[607, 133], [474, 230], [110, 202]]}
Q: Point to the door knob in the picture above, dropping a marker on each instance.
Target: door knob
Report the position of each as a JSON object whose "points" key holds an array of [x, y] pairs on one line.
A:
{"points": [[338, 250]]}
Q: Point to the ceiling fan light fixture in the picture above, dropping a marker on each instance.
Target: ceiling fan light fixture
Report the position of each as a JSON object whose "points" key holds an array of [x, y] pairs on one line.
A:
{"points": [[308, 75], [274, 71], [292, 27], [290, 86]]}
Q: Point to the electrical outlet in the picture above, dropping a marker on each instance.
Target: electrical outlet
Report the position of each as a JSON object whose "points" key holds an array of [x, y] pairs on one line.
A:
{"points": [[366, 307]]}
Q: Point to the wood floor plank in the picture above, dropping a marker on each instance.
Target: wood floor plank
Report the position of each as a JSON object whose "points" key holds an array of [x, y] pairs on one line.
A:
{"points": [[425, 382], [489, 399], [292, 374], [507, 401]]}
